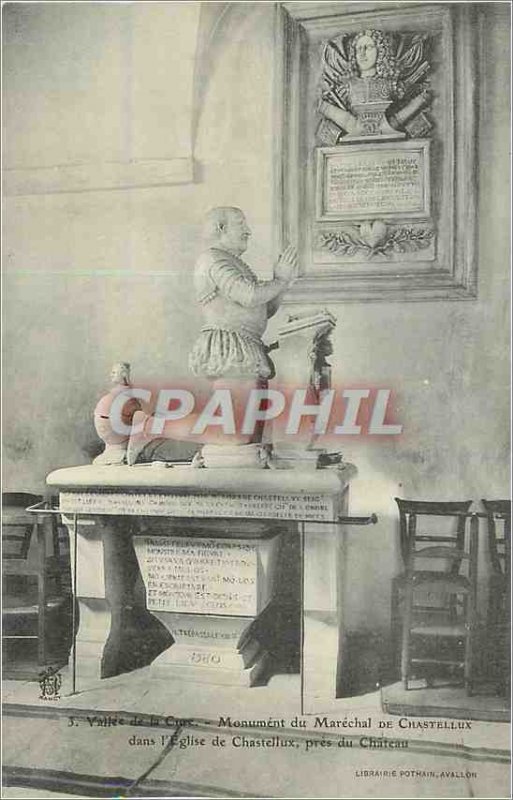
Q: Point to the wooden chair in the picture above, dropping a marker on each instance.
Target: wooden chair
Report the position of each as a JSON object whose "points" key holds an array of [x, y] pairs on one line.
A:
{"points": [[498, 516], [433, 602], [406, 507], [36, 591]]}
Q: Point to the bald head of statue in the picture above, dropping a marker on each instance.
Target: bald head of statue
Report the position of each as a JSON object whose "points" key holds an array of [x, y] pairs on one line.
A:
{"points": [[226, 228]]}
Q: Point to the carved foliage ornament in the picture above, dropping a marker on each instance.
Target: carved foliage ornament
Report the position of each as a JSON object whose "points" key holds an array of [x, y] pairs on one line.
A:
{"points": [[374, 83], [371, 239]]}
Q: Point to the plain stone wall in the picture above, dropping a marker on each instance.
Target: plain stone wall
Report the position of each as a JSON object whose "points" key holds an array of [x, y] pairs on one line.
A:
{"points": [[95, 277]]}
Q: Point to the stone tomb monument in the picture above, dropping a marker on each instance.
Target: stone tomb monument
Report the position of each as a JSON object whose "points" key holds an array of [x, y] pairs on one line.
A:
{"points": [[217, 519], [183, 566]]}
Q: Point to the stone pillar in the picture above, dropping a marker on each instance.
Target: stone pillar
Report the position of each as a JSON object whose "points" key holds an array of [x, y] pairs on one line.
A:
{"points": [[91, 603], [110, 601], [325, 583]]}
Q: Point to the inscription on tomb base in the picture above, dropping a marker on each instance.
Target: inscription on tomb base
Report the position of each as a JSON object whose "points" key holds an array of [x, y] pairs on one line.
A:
{"points": [[199, 576], [283, 506]]}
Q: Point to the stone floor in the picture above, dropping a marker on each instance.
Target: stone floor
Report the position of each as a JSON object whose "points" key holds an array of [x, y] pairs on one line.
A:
{"points": [[51, 745]]}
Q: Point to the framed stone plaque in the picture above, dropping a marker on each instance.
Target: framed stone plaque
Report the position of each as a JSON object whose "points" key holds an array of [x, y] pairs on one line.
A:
{"points": [[384, 180], [376, 149]]}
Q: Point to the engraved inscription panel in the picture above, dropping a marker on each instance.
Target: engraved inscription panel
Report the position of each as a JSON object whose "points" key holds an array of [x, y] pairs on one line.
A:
{"points": [[201, 576], [304, 506], [388, 182], [380, 180]]}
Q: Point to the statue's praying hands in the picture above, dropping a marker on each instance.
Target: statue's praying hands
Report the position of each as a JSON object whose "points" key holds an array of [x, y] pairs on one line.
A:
{"points": [[286, 267]]}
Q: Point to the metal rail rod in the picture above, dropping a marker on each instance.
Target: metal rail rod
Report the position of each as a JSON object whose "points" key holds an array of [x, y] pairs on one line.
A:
{"points": [[372, 519]]}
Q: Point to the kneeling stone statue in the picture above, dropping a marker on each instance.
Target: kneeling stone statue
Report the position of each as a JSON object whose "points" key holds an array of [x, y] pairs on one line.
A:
{"points": [[229, 351], [236, 306]]}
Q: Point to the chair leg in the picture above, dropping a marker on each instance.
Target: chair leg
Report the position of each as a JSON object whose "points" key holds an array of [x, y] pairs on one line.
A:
{"points": [[405, 660], [406, 637], [468, 669], [470, 606], [57, 556], [395, 625], [453, 607], [42, 591], [492, 605]]}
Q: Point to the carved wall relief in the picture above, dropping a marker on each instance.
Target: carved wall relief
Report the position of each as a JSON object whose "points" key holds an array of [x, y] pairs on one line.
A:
{"points": [[374, 84], [371, 239], [379, 106]]}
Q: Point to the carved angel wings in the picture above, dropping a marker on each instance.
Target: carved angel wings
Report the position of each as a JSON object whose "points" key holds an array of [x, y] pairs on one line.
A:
{"points": [[397, 70]]}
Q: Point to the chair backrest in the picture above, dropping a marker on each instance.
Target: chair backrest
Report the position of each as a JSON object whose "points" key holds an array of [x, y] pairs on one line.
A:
{"points": [[435, 545], [17, 524], [410, 510], [499, 547], [19, 499]]}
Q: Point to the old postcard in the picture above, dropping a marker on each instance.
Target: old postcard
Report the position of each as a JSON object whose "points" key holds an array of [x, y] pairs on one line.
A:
{"points": [[256, 498]]}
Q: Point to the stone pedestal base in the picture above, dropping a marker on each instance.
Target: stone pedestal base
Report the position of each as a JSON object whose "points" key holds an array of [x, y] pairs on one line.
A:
{"points": [[209, 593], [213, 649]]}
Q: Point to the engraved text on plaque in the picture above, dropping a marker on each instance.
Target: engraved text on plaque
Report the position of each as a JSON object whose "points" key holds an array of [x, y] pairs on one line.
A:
{"points": [[382, 180], [200, 576]]}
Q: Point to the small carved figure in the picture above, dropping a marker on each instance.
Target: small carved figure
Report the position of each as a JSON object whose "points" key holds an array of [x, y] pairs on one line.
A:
{"points": [[115, 444], [374, 84]]}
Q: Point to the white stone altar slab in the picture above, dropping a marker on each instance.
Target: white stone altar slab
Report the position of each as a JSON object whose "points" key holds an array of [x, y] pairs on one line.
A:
{"points": [[183, 491], [186, 477], [279, 506]]}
